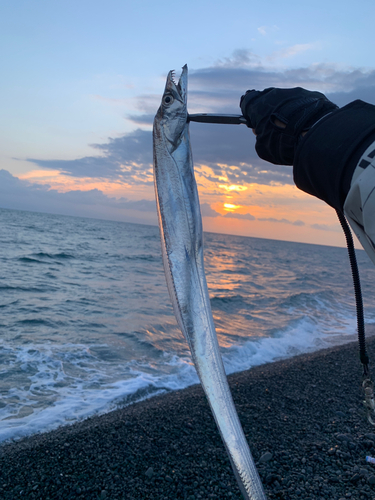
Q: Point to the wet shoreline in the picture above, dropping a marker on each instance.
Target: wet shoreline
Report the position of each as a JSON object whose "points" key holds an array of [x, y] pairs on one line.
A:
{"points": [[302, 416]]}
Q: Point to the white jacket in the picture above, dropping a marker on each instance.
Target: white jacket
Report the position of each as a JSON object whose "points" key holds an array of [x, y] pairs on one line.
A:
{"points": [[359, 206]]}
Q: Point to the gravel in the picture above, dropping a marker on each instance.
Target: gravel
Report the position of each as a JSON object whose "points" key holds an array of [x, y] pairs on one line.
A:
{"points": [[303, 419]]}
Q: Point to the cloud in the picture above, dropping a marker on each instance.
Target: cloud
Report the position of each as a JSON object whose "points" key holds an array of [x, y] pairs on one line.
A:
{"points": [[217, 88], [129, 158], [239, 58], [21, 195], [234, 215], [291, 51], [262, 30], [122, 158], [140, 205], [226, 83], [283, 221], [144, 119], [327, 227], [207, 211], [265, 30]]}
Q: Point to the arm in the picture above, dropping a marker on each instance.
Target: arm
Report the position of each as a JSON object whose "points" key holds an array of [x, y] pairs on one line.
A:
{"points": [[326, 158], [332, 150]]}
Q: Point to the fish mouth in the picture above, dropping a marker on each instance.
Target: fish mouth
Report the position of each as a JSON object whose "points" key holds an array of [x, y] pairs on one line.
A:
{"points": [[181, 87]]}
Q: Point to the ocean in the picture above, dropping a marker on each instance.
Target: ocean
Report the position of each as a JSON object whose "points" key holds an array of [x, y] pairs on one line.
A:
{"points": [[86, 324]]}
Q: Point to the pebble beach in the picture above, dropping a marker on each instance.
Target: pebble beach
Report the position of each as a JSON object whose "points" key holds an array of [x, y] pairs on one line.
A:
{"points": [[302, 416]]}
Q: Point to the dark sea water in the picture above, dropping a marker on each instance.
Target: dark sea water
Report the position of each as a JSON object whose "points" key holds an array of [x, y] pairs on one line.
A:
{"points": [[86, 324]]}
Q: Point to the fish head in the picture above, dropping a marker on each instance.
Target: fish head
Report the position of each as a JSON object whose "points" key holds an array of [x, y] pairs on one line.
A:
{"points": [[172, 113]]}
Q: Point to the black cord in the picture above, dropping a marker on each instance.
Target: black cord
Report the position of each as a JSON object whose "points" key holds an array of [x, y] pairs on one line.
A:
{"points": [[357, 292]]}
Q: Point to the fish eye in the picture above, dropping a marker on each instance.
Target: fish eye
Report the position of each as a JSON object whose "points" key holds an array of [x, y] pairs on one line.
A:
{"points": [[168, 99]]}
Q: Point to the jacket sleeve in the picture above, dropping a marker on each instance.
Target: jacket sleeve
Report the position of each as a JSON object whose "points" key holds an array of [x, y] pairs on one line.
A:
{"points": [[328, 154]]}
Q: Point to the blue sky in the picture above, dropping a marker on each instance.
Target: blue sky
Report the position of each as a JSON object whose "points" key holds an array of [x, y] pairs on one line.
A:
{"points": [[81, 81]]}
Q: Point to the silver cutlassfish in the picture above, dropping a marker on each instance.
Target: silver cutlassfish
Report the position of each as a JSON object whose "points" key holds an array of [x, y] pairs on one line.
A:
{"points": [[180, 225]]}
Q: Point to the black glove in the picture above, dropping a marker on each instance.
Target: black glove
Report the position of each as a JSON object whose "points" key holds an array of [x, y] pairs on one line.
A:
{"points": [[297, 108]]}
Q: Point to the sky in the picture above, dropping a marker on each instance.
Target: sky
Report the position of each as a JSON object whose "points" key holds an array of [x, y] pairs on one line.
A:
{"points": [[82, 81]]}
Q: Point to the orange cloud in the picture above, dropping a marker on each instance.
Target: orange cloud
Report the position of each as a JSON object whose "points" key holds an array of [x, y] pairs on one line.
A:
{"points": [[64, 183], [274, 211]]}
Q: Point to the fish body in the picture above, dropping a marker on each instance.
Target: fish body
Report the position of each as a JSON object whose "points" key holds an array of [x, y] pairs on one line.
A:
{"points": [[180, 224]]}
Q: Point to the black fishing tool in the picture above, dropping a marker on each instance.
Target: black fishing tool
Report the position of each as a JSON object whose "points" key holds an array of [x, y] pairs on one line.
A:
{"points": [[212, 118]]}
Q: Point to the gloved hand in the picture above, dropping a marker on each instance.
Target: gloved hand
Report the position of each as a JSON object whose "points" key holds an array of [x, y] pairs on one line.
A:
{"points": [[279, 117]]}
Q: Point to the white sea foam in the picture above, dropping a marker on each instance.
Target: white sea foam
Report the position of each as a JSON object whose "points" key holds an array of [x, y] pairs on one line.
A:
{"points": [[88, 393], [302, 336], [74, 398]]}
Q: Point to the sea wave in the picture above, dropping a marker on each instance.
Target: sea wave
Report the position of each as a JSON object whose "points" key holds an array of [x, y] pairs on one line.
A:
{"points": [[93, 329], [64, 384]]}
